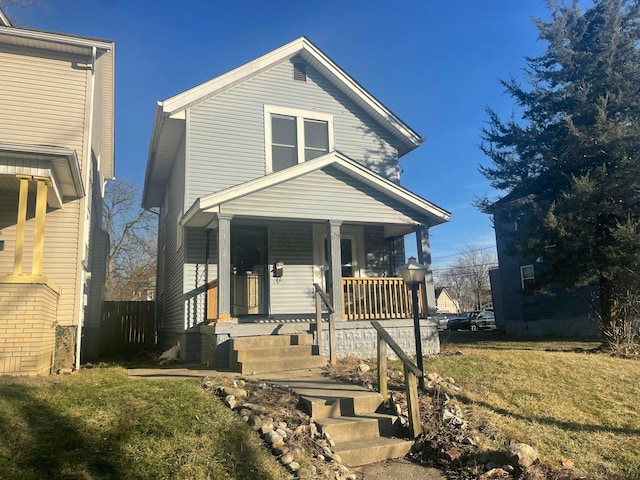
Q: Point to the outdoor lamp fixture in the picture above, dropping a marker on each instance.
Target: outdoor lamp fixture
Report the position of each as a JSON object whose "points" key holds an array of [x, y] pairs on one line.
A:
{"points": [[413, 275]]}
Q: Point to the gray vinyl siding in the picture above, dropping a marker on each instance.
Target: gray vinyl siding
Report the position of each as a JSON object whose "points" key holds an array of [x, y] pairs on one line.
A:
{"points": [[226, 133], [195, 269], [292, 244], [322, 195], [170, 315]]}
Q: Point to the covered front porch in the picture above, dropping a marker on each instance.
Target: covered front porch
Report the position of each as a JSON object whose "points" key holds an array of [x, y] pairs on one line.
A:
{"points": [[254, 252]]}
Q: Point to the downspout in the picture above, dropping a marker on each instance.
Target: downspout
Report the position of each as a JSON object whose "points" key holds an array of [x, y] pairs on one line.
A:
{"points": [[88, 198]]}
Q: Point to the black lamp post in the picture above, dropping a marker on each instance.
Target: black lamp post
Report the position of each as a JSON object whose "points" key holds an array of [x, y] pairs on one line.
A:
{"points": [[413, 275]]}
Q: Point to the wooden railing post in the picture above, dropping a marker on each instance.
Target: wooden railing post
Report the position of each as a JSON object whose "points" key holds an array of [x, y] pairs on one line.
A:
{"points": [[411, 371], [413, 407], [319, 322], [382, 368], [320, 295], [332, 339]]}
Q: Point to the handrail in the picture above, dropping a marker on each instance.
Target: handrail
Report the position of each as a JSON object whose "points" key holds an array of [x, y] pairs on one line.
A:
{"points": [[397, 349], [324, 297], [321, 296], [411, 373]]}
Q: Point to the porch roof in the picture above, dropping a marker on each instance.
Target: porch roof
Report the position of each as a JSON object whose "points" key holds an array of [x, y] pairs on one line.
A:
{"points": [[59, 165], [357, 194]]}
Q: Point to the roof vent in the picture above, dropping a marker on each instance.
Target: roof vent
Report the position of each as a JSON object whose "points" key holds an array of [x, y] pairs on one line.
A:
{"points": [[300, 71]]}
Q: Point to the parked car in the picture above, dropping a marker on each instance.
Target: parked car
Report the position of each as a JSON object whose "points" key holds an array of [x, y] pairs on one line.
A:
{"points": [[474, 320], [443, 319]]}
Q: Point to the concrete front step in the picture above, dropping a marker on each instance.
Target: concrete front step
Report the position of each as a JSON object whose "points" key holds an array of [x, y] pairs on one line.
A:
{"points": [[280, 364], [325, 404], [258, 354], [366, 451], [269, 341], [345, 429]]}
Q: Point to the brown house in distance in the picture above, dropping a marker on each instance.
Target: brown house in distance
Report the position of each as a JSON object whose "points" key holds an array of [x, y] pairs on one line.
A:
{"points": [[56, 152]]}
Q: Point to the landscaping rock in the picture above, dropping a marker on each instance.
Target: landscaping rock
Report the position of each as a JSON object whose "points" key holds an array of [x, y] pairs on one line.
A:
{"points": [[362, 368], [521, 453], [286, 459], [272, 437], [236, 392]]}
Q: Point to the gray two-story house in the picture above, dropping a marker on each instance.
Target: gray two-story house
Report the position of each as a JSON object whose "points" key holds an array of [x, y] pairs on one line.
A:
{"points": [[275, 176]]}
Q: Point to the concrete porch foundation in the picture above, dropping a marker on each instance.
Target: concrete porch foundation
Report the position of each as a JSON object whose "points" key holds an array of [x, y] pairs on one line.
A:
{"points": [[210, 344]]}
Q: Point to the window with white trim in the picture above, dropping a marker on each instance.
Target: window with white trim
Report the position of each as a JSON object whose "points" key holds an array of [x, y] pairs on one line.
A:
{"points": [[527, 277], [294, 136]]}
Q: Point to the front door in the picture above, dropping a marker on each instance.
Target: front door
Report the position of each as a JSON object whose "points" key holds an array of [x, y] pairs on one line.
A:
{"points": [[350, 255], [249, 270]]}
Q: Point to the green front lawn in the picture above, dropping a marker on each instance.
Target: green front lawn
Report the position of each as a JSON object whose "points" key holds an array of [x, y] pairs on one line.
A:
{"points": [[99, 424]]}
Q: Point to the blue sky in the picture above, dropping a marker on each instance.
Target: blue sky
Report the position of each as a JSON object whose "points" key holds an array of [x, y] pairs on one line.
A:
{"points": [[435, 64]]}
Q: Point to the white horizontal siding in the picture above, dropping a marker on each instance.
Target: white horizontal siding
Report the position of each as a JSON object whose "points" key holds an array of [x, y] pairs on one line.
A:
{"points": [[226, 133]]}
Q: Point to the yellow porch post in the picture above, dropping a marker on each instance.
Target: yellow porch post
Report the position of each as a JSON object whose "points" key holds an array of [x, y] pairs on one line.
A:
{"points": [[41, 214], [22, 220]]}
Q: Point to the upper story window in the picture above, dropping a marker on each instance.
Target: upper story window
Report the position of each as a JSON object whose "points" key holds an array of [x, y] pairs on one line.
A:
{"points": [[527, 276], [294, 136]]}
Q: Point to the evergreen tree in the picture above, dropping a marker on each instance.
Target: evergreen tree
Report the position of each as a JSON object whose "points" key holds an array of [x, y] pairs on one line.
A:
{"points": [[573, 158]]}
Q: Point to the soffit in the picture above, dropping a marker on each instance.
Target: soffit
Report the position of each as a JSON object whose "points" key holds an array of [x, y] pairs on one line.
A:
{"points": [[59, 165]]}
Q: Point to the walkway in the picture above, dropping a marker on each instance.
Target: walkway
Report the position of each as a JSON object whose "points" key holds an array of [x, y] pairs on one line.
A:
{"points": [[304, 382]]}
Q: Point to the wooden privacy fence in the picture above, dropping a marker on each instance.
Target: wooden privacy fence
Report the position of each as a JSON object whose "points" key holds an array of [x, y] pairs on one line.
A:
{"points": [[127, 327]]}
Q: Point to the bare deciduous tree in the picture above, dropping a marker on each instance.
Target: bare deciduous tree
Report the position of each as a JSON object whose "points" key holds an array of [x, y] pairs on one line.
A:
{"points": [[131, 262], [467, 277]]}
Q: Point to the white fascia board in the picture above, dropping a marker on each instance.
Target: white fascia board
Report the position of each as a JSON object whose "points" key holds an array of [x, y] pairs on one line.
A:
{"points": [[158, 120], [187, 97], [58, 38], [404, 195], [211, 203], [62, 161], [4, 20], [361, 92], [213, 200]]}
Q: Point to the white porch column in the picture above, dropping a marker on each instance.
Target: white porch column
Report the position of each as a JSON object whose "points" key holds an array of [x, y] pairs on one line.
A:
{"points": [[424, 257], [335, 251], [224, 267]]}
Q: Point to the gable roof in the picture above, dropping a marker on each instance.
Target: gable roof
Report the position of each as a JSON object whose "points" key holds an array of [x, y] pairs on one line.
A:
{"points": [[203, 209], [319, 61], [170, 114]]}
